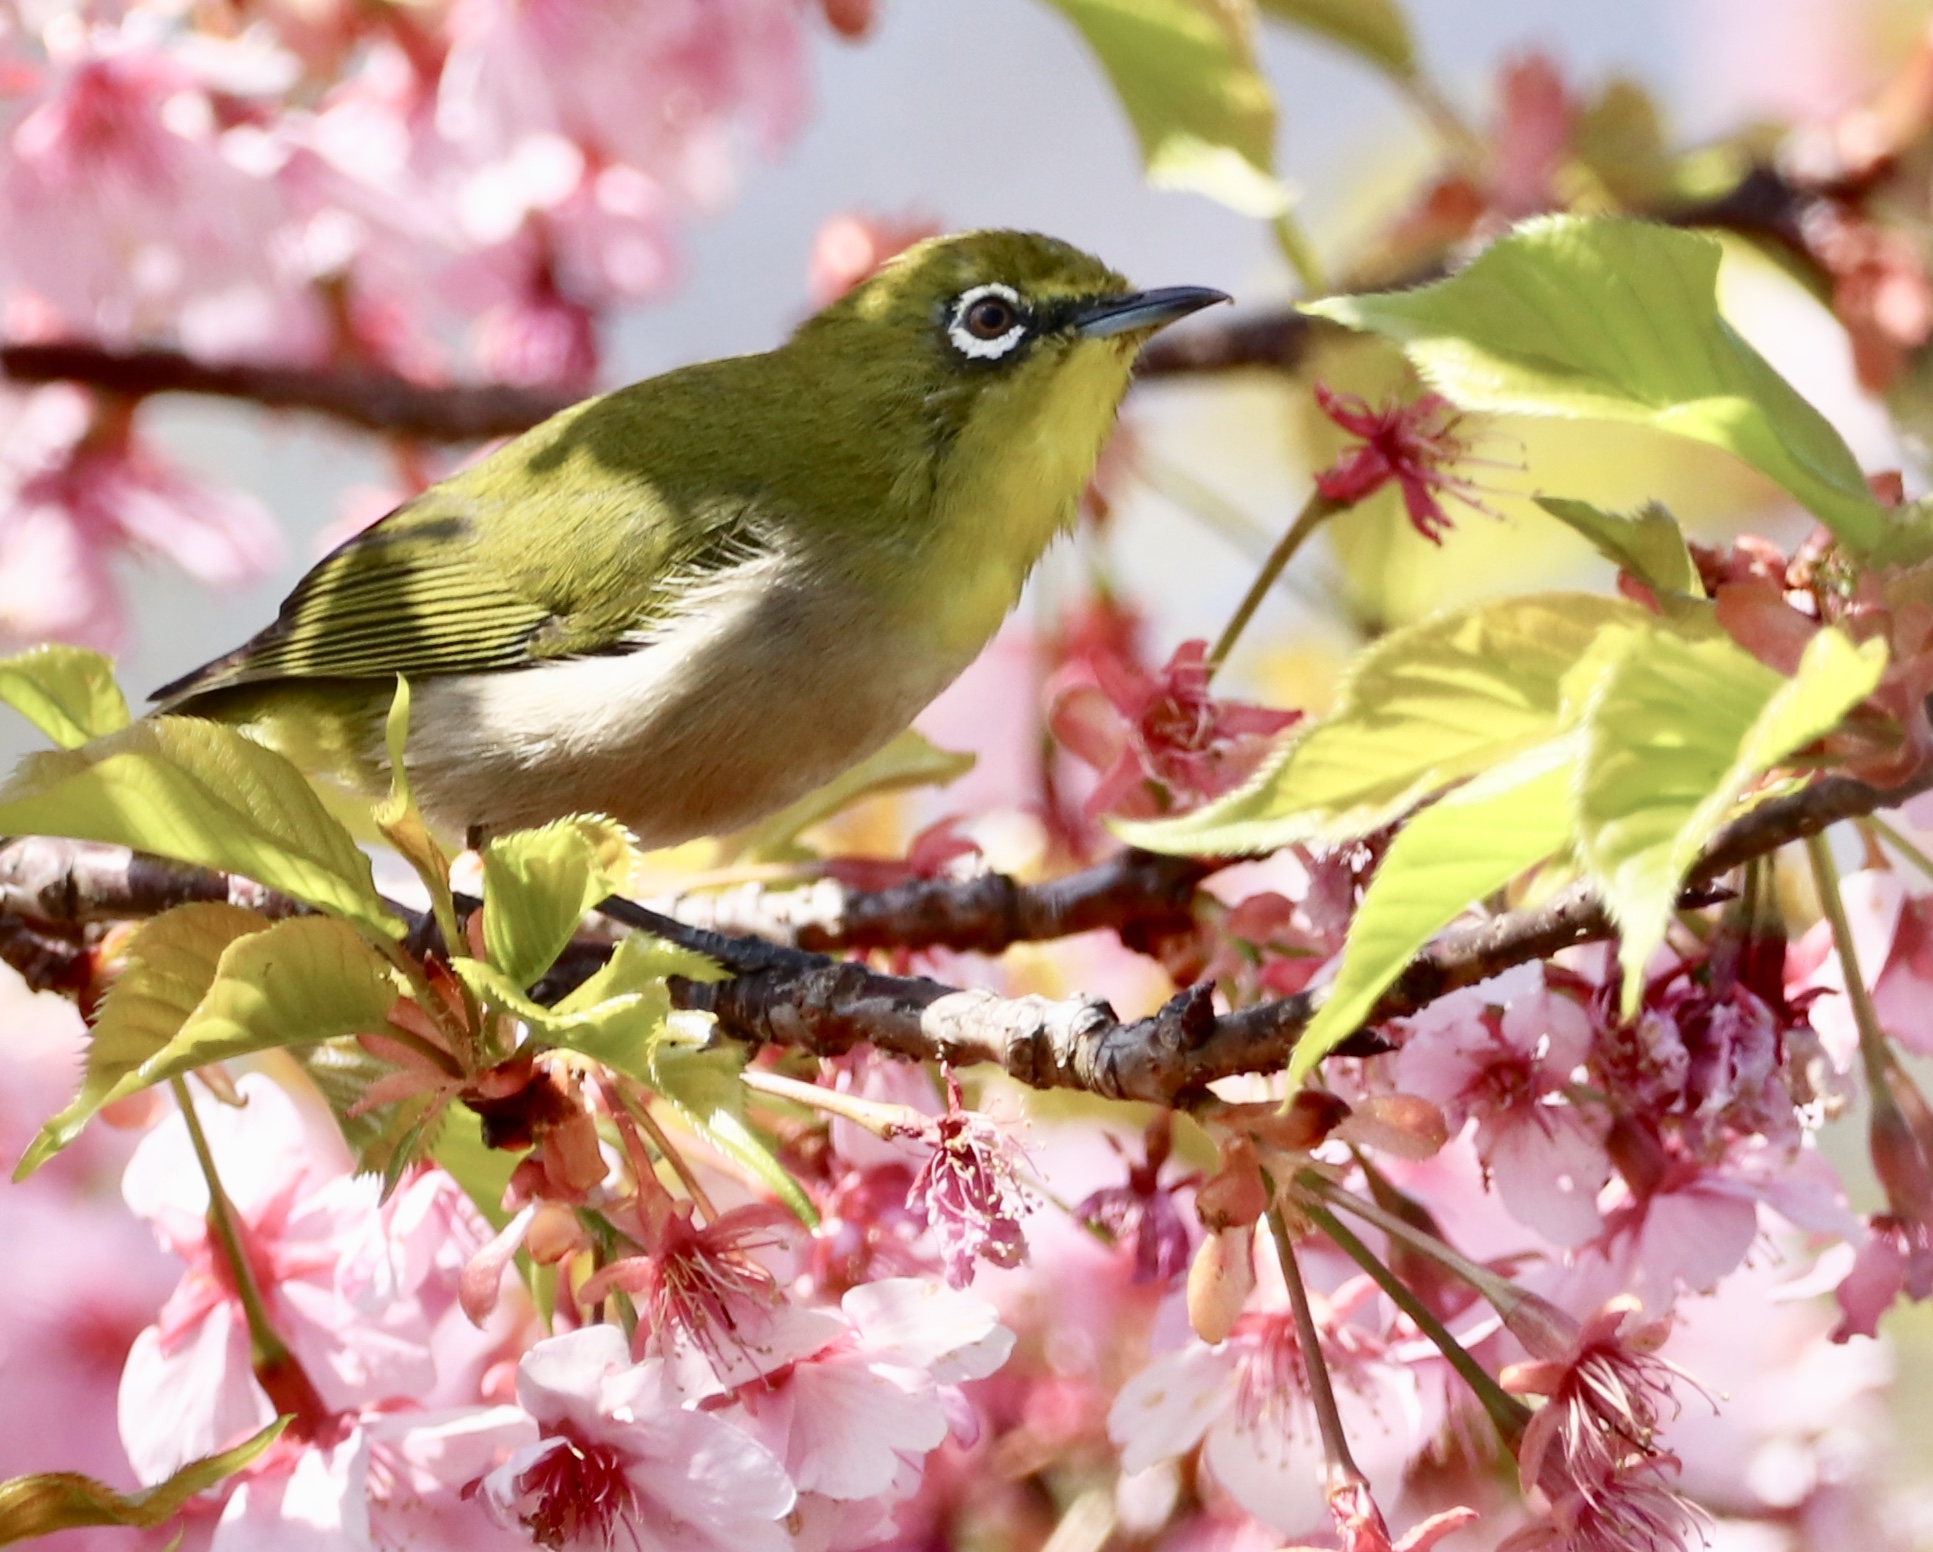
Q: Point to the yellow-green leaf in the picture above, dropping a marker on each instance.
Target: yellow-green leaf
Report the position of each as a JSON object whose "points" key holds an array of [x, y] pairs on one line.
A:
{"points": [[199, 792], [1185, 73], [402, 822], [482, 1171], [303, 981], [1612, 319], [1441, 863], [1375, 29], [1648, 543], [1426, 706], [537, 885], [910, 760], [69, 693], [51, 1501], [1676, 731], [289, 983], [170, 962]]}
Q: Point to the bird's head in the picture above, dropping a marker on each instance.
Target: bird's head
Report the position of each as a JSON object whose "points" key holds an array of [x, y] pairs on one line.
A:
{"points": [[999, 329]]}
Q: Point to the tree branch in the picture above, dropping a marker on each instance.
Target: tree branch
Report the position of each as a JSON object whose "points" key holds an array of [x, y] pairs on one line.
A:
{"points": [[785, 995], [375, 401]]}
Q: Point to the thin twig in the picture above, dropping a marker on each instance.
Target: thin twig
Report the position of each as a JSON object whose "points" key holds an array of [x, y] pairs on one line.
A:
{"points": [[1317, 510], [1508, 1413], [1322, 1393]]}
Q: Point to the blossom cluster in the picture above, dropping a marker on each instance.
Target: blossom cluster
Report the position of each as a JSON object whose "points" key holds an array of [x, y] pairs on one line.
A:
{"points": [[432, 192]]}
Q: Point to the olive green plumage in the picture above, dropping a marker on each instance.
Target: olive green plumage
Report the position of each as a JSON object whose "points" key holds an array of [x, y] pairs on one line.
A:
{"points": [[688, 602]]}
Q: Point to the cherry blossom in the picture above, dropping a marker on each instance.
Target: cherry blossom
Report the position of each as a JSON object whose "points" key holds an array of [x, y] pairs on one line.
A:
{"points": [[1161, 742], [1503, 1054], [336, 1285], [1892, 932], [1141, 1216], [618, 1456], [969, 1189], [77, 483], [851, 1402], [1246, 1400], [1416, 445]]}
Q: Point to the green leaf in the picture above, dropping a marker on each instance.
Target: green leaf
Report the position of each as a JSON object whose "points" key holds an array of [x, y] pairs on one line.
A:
{"points": [[622, 1017], [908, 761], [68, 693], [52, 1501], [1648, 543], [170, 963], [1441, 863], [1677, 730], [1426, 706], [537, 885], [402, 822], [482, 1171], [1610, 319], [199, 792], [699, 1079], [301, 982], [1185, 72], [1375, 29]]}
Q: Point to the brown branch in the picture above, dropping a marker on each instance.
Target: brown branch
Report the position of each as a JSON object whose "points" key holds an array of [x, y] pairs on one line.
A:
{"points": [[1137, 893], [784, 995], [376, 401]]}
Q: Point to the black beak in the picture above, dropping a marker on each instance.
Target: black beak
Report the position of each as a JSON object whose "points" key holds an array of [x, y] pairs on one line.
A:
{"points": [[1142, 310]]}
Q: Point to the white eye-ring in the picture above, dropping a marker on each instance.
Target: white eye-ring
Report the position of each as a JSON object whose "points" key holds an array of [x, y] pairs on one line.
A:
{"points": [[988, 321]]}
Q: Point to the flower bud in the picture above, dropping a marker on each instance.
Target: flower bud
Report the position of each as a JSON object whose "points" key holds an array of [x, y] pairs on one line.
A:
{"points": [[1219, 1283], [1405, 1125], [1234, 1196]]}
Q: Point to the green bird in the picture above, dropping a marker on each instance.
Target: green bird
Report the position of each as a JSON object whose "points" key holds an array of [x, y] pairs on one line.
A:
{"points": [[689, 602]]}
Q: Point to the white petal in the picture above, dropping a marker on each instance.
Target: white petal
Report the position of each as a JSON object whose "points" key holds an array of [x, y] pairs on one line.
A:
{"points": [[1166, 1408], [562, 1377], [926, 1325]]}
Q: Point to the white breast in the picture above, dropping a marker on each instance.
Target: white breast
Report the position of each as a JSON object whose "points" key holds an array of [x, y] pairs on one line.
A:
{"points": [[771, 679]]}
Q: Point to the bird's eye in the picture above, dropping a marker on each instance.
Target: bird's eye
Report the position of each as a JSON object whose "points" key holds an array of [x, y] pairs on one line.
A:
{"points": [[987, 322], [989, 318]]}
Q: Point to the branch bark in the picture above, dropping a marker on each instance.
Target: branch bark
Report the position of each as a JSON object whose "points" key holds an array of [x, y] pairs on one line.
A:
{"points": [[782, 994], [375, 401]]}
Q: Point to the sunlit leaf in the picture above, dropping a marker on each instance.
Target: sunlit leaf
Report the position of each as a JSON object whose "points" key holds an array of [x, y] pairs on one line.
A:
{"points": [[1425, 706], [1185, 72], [537, 885], [622, 1017], [1611, 319], [300, 982], [402, 822], [910, 760], [482, 1171], [1376, 29], [53, 1501], [1441, 863], [1648, 543], [1677, 730], [198, 792], [170, 962], [69, 693]]}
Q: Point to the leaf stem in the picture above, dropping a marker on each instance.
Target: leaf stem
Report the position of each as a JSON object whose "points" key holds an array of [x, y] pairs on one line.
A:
{"points": [[1495, 1289], [1899, 843], [1459, 139], [1300, 252], [1317, 510], [1865, 1017], [266, 1349], [1508, 1413], [680, 1166], [1322, 1395]]}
